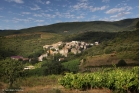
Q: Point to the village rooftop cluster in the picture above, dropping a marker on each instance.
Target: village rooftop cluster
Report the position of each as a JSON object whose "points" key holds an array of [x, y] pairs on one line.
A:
{"points": [[64, 48]]}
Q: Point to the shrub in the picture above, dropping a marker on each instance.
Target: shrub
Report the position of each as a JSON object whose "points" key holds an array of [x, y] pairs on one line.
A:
{"points": [[108, 50], [36, 72], [121, 63], [72, 66]]}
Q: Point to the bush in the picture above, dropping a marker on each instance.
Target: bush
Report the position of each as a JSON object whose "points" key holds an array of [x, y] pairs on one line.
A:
{"points": [[121, 63], [108, 50], [36, 72], [72, 66]]}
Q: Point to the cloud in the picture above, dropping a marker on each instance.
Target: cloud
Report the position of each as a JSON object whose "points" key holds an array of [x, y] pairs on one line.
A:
{"points": [[45, 15], [1, 16], [49, 16], [38, 15], [26, 13], [16, 20], [1, 8], [114, 10], [105, 19], [48, 2], [93, 9], [110, 19], [121, 9], [83, 0], [81, 5], [16, 1], [39, 20], [6, 20], [36, 7], [64, 15], [40, 1], [68, 15], [80, 17], [137, 6], [93, 17], [85, 6], [119, 15], [128, 8], [105, 1]]}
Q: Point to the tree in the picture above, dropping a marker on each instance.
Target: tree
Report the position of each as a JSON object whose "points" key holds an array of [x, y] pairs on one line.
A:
{"points": [[11, 70], [53, 68]]}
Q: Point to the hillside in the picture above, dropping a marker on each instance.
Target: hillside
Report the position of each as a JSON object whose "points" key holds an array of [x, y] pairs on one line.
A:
{"points": [[27, 44], [114, 47], [74, 27]]}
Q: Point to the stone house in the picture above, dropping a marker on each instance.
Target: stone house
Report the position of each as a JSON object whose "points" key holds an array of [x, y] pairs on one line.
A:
{"points": [[29, 67], [96, 43], [40, 58], [75, 51], [64, 52]]}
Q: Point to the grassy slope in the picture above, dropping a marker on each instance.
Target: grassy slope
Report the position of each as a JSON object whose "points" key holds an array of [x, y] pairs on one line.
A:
{"points": [[109, 42], [26, 45], [124, 45]]}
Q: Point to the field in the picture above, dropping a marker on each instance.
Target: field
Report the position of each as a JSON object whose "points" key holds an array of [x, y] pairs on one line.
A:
{"points": [[95, 63], [47, 84], [113, 80]]}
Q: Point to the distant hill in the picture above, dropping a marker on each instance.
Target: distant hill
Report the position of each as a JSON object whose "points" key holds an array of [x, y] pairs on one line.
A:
{"points": [[74, 27]]}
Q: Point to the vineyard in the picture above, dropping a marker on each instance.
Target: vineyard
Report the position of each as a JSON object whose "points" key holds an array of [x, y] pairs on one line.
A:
{"points": [[116, 79]]}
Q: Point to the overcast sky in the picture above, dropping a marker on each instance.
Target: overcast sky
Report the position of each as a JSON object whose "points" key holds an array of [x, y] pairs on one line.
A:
{"points": [[18, 14]]}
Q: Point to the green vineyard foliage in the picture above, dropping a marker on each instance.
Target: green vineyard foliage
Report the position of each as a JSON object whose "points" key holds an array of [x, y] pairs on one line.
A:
{"points": [[116, 79]]}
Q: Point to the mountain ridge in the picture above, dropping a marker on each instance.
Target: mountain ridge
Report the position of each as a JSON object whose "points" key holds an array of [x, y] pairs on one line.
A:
{"points": [[75, 27]]}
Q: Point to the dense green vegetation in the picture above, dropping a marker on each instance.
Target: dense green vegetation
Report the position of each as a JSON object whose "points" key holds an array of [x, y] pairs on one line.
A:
{"points": [[115, 79], [25, 45], [124, 44], [72, 66], [91, 36], [10, 71], [47, 68]]}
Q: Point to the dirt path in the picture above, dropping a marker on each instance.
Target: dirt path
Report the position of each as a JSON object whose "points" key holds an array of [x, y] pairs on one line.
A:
{"points": [[59, 89]]}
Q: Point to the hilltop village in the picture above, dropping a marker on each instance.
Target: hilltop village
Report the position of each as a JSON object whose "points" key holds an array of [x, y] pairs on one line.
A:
{"points": [[64, 48]]}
